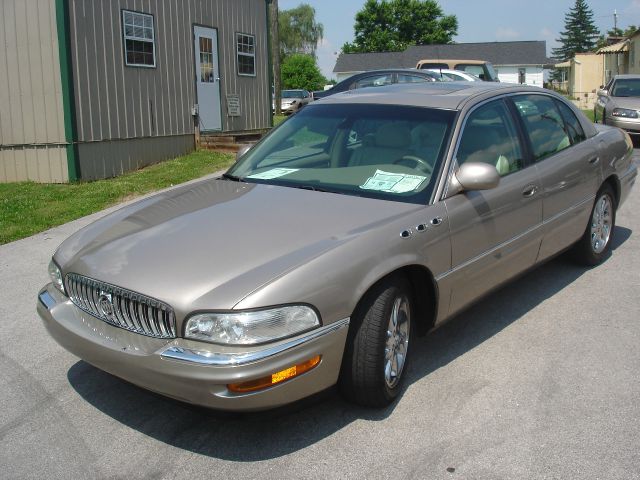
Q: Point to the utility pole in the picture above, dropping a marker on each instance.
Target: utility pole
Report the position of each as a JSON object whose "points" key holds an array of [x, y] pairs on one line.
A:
{"points": [[275, 56], [615, 20]]}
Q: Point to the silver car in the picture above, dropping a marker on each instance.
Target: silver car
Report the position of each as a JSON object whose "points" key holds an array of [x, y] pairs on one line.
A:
{"points": [[618, 103], [294, 100], [366, 219]]}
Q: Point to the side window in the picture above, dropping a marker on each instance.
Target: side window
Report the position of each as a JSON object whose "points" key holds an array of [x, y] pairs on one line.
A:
{"points": [[373, 81], [474, 69], [543, 123], [404, 78], [246, 54], [139, 39], [573, 127], [489, 136]]}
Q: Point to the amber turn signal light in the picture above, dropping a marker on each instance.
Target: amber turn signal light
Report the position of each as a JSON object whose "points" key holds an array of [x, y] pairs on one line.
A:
{"points": [[275, 378]]}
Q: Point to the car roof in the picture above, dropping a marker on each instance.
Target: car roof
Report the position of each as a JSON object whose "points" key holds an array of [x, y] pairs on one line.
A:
{"points": [[626, 75], [450, 70], [387, 70], [452, 60], [448, 95]]}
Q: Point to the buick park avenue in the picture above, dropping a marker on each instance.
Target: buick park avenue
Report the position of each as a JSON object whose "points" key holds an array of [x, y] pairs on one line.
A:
{"points": [[366, 219]]}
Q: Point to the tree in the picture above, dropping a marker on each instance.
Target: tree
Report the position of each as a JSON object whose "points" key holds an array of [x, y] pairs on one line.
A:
{"points": [[275, 55], [603, 40], [392, 25], [580, 34], [301, 71], [299, 31]]}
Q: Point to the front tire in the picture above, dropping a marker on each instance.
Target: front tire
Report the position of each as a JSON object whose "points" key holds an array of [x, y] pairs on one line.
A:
{"points": [[595, 244], [378, 344]]}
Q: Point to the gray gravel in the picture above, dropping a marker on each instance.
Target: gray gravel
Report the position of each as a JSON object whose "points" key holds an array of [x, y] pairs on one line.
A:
{"points": [[539, 380]]}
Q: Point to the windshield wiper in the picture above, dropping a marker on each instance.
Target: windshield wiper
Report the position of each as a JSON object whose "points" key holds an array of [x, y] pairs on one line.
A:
{"points": [[319, 189], [233, 178]]}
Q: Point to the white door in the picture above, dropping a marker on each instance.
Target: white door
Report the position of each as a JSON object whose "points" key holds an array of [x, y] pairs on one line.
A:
{"points": [[207, 78]]}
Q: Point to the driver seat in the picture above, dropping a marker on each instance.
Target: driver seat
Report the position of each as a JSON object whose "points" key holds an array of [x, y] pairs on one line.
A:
{"points": [[391, 142]]}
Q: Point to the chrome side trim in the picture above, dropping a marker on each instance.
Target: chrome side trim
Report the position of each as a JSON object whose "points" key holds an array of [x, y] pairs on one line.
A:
{"points": [[517, 237], [46, 299], [235, 359]]}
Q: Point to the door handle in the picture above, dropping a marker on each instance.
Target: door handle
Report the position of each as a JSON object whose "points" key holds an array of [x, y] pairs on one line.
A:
{"points": [[594, 160], [529, 191]]}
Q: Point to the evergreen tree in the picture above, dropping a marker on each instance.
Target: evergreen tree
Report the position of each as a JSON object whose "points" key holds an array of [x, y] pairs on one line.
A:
{"points": [[580, 34]]}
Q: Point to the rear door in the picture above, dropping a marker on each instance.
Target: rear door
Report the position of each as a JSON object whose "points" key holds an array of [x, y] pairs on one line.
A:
{"points": [[495, 233], [568, 166]]}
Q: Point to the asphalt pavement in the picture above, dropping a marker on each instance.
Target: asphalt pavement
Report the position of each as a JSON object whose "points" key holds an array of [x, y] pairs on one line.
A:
{"points": [[538, 381]]}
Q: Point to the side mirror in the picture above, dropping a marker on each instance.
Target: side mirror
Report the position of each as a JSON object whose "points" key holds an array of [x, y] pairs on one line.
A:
{"points": [[473, 176], [243, 150], [602, 92]]}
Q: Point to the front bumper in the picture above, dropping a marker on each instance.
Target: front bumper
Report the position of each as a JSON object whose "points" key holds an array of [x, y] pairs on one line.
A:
{"points": [[630, 125], [289, 108], [195, 372]]}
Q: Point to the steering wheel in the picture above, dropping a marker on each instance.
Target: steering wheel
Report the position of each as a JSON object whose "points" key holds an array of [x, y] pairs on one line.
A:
{"points": [[417, 162]]}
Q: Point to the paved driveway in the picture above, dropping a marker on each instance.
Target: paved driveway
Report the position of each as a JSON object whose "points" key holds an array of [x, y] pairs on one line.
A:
{"points": [[540, 380]]}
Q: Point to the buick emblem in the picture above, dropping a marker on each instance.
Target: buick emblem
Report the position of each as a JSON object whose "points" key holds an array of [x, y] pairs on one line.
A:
{"points": [[105, 304]]}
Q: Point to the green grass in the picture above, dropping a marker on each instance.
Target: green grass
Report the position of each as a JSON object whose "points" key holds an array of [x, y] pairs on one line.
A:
{"points": [[588, 113], [278, 119], [27, 208]]}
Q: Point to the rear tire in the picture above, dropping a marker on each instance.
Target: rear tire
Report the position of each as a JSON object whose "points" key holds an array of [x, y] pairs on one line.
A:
{"points": [[595, 244], [378, 344]]}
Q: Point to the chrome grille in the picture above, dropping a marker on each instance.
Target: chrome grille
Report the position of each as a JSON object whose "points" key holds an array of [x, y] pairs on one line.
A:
{"points": [[120, 307]]}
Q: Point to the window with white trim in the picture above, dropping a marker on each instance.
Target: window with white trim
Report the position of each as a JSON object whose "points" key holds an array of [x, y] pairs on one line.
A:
{"points": [[246, 53], [139, 39]]}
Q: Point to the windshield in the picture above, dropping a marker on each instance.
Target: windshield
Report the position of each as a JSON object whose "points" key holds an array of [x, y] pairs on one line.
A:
{"points": [[291, 94], [628, 87], [378, 151]]}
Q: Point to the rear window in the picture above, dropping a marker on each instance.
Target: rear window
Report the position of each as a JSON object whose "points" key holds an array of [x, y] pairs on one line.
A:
{"points": [[425, 66]]}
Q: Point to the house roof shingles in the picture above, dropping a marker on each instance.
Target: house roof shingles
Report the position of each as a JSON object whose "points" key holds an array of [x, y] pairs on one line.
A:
{"points": [[498, 53]]}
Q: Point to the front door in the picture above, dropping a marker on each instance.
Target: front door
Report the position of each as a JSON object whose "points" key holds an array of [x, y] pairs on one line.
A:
{"points": [[207, 78], [495, 233]]}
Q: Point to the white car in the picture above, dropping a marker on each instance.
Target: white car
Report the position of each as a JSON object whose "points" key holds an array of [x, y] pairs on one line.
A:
{"points": [[456, 75], [294, 100]]}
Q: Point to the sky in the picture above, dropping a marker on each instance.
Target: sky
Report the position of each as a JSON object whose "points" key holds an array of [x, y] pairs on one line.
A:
{"points": [[478, 20]]}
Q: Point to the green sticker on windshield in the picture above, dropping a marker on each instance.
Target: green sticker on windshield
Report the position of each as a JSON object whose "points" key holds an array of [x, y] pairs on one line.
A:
{"points": [[393, 182], [273, 173]]}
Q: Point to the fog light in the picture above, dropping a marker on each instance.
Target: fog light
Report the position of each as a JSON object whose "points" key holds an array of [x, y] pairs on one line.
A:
{"points": [[275, 378]]}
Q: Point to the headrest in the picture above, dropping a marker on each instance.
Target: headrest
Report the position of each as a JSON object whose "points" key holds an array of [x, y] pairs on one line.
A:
{"points": [[394, 135]]}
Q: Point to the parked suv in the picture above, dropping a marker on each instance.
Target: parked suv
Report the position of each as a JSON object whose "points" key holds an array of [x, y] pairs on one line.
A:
{"points": [[482, 69]]}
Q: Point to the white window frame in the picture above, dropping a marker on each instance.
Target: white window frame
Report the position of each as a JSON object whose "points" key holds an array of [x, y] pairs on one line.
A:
{"points": [[126, 37], [244, 54]]}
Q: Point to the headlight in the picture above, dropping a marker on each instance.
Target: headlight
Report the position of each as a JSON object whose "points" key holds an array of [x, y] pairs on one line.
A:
{"points": [[624, 113], [56, 276], [251, 327]]}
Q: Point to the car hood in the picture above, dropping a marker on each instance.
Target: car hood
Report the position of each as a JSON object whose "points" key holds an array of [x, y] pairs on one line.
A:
{"points": [[210, 244], [632, 103]]}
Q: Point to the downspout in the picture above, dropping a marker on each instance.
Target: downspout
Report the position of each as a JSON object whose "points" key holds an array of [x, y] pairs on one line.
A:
{"points": [[68, 96], [269, 50]]}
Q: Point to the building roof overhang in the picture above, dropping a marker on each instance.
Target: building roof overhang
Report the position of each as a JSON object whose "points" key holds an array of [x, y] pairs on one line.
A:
{"points": [[616, 48]]}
